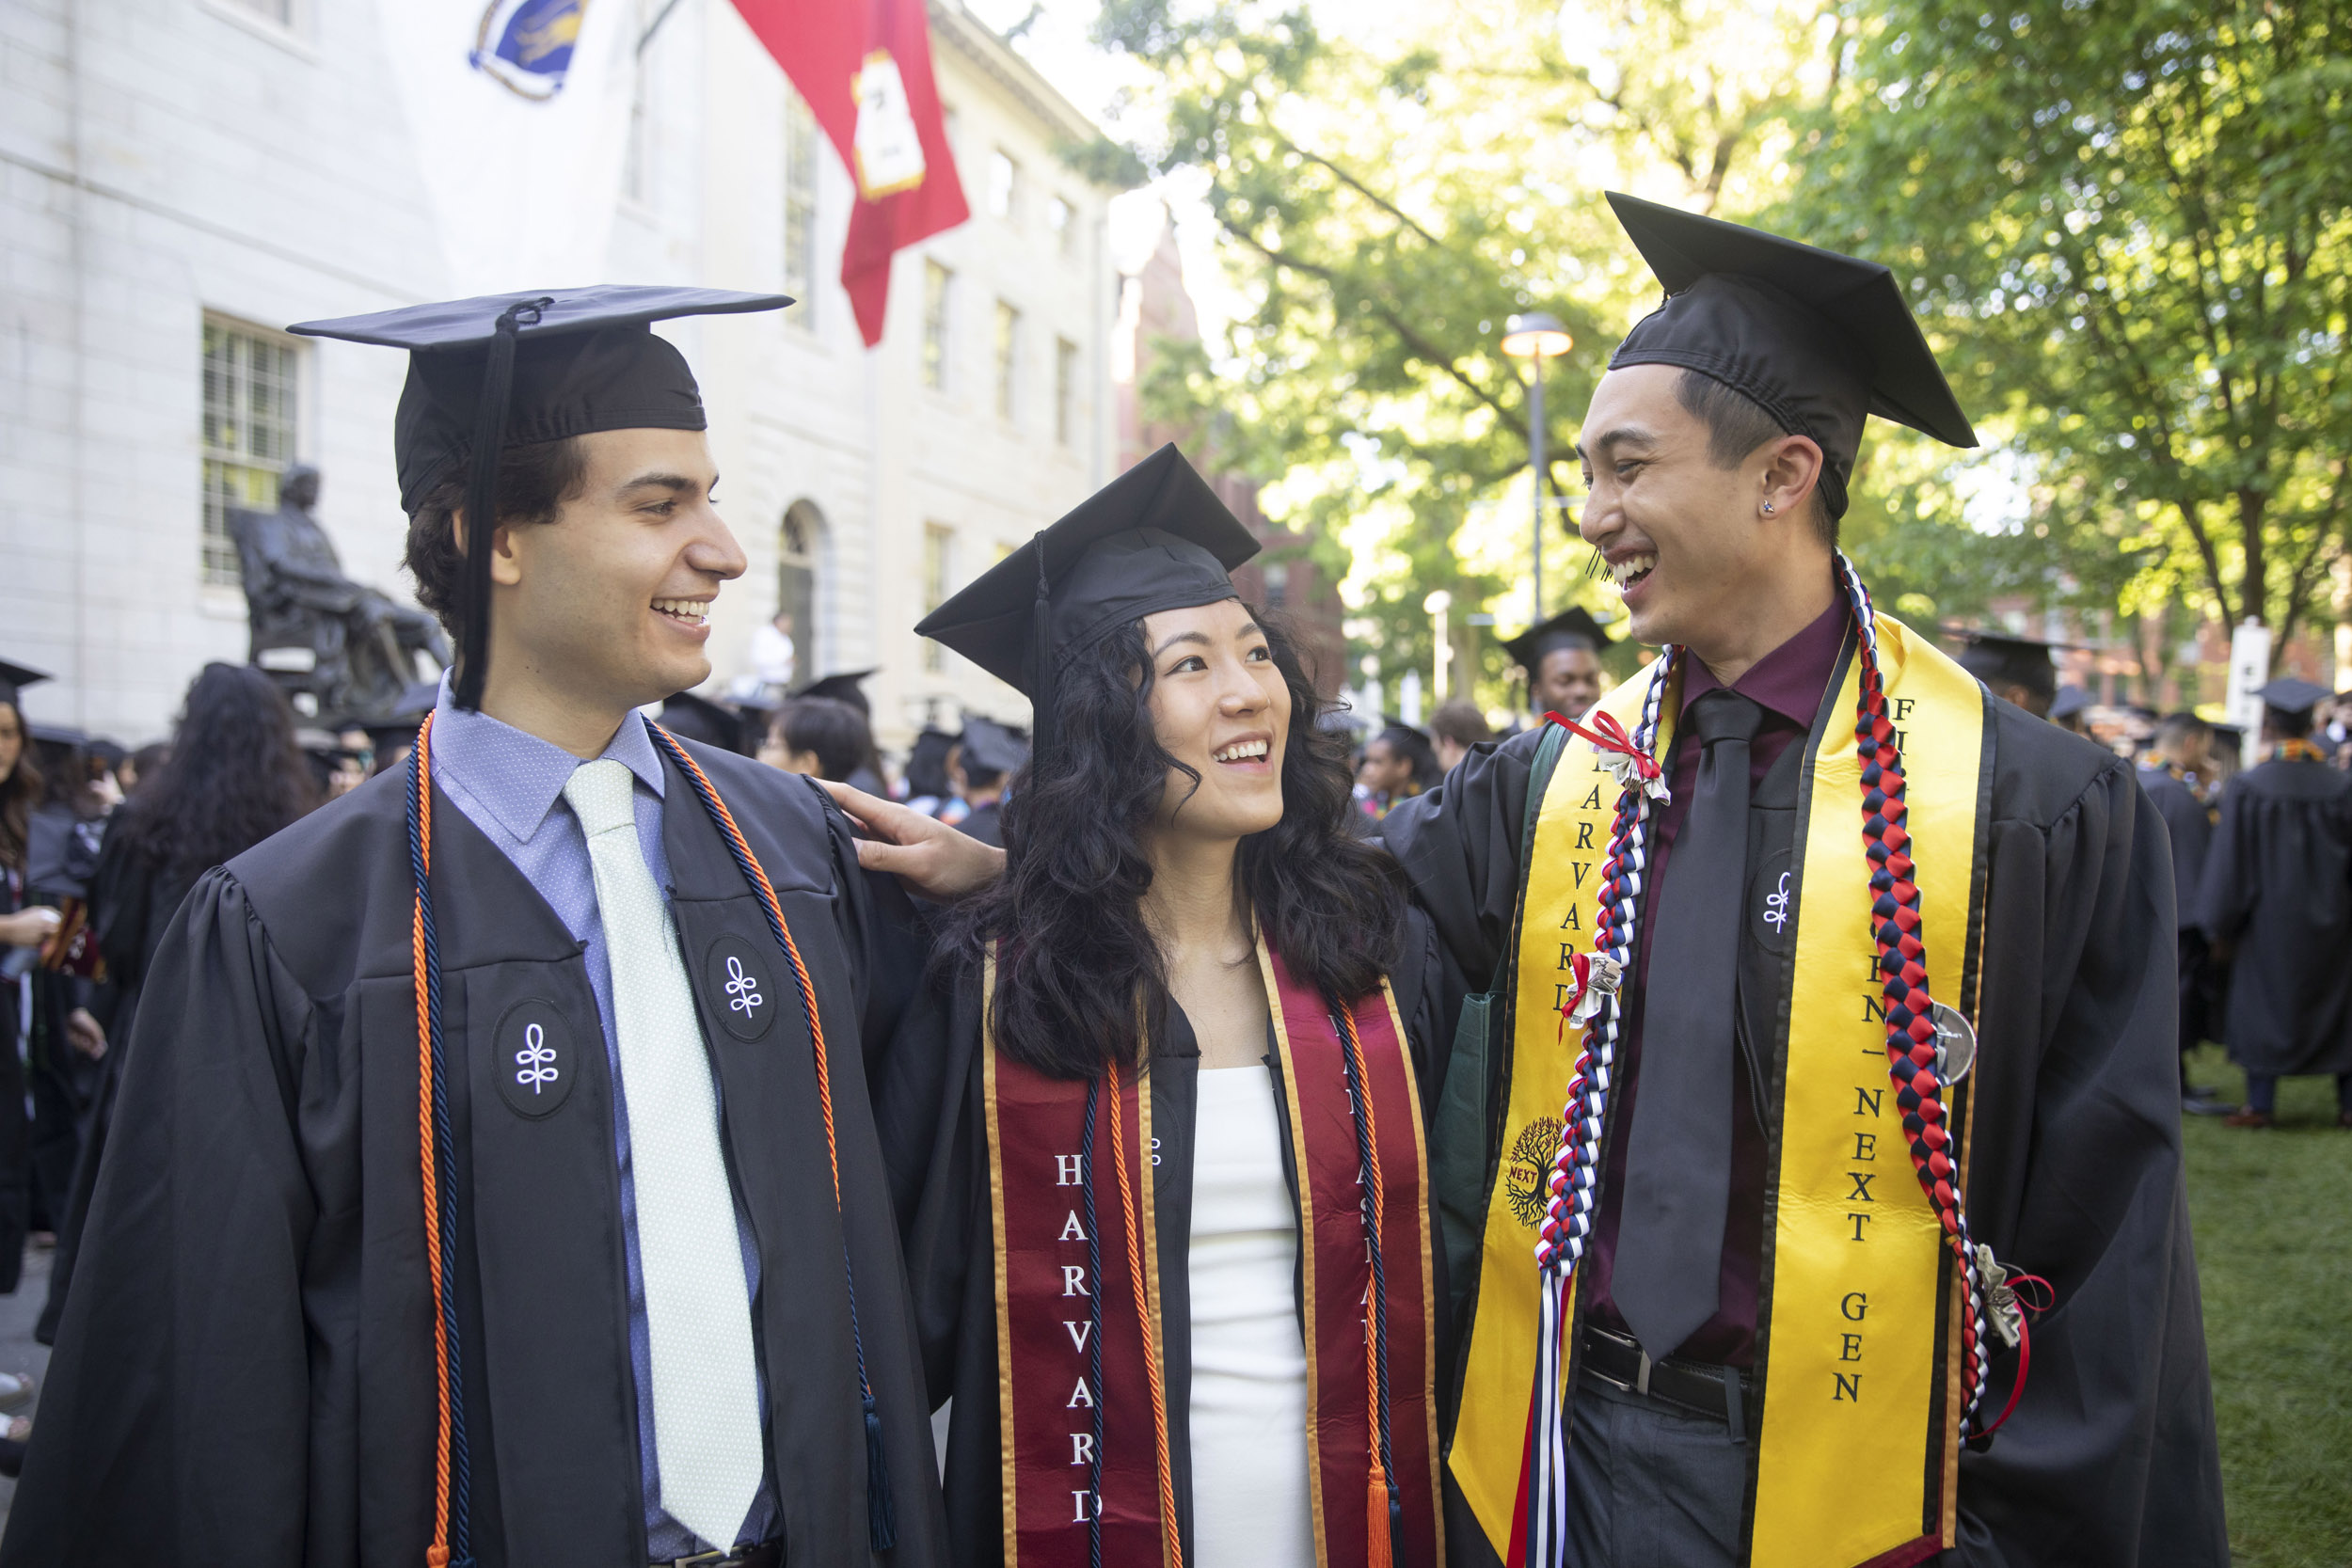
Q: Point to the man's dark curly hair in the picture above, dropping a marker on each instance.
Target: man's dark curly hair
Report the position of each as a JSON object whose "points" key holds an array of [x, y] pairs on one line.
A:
{"points": [[1066, 919], [532, 484]]}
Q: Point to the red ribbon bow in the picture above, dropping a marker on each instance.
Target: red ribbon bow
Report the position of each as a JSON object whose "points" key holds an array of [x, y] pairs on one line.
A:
{"points": [[1607, 734]]}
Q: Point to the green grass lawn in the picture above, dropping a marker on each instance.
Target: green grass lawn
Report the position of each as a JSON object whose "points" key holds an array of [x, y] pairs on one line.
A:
{"points": [[2273, 1216]]}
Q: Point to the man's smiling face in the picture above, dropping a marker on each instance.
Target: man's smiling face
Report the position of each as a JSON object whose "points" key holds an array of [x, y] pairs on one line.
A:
{"points": [[1678, 532], [609, 602]]}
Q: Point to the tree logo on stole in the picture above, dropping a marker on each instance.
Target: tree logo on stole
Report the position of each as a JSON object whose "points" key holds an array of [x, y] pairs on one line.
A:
{"points": [[1528, 1168]]}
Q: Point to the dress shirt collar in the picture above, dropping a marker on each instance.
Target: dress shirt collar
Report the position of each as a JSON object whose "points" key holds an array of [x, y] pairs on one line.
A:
{"points": [[1792, 678], [516, 776]]}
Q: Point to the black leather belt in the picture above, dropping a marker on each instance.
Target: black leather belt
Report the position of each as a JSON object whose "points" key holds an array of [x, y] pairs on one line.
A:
{"points": [[767, 1554], [1689, 1387]]}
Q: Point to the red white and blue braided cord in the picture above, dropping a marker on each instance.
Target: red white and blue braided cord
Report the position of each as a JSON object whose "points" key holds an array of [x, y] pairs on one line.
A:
{"points": [[1574, 1185]]}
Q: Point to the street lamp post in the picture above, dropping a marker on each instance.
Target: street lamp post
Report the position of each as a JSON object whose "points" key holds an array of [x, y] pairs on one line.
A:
{"points": [[1437, 604], [1538, 336]]}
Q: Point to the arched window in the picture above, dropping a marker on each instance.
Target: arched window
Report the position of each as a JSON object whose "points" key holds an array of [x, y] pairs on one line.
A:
{"points": [[800, 543]]}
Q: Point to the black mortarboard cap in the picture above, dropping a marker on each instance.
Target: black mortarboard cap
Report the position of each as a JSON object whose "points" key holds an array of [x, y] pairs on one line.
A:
{"points": [[2291, 696], [1154, 538], [1819, 339], [514, 370], [1573, 627], [14, 678], [926, 762], [1999, 658], [700, 718], [991, 748], [848, 686], [2069, 701]]}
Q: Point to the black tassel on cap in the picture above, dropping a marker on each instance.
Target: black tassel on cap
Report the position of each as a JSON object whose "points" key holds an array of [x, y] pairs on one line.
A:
{"points": [[489, 442], [1041, 655]]}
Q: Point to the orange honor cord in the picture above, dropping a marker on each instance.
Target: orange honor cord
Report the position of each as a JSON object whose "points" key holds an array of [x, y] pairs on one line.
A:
{"points": [[421, 945], [882, 1527], [1146, 1321]]}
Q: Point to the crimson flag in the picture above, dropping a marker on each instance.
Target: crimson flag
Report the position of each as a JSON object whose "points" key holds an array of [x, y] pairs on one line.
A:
{"points": [[865, 69]]}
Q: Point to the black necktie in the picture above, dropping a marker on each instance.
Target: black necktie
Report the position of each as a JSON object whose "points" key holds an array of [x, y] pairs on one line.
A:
{"points": [[1678, 1168]]}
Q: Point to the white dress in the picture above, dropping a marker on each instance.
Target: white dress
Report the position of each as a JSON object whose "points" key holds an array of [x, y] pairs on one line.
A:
{"points": [[1249, 1497]]}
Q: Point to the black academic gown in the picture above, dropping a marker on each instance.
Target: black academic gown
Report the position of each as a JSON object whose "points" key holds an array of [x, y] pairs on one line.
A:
{"points": [[2278, 888], [932, 1114], [2075, 1175], [2190, 833], [132, 901], [985, 823], [245, 1372]]}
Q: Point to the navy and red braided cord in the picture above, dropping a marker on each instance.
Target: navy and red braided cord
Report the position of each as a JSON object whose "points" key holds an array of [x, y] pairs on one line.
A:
{"points": [[1574, 1182]]}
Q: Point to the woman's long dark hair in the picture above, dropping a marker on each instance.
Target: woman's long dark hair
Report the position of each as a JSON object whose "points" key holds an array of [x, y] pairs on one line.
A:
{"points": [[236, 775], [20, 792], [1066, 919]]}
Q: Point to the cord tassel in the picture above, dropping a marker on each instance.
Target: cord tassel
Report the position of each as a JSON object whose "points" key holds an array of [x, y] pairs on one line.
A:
{"points": [[1379, 1524], [882, 1516]]}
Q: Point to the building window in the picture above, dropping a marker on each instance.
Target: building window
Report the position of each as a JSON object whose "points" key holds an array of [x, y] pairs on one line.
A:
{"points": [[1004, 184], [1062, 219], [1065, 391], [938, 558], [249, 432], [799, 209], [935, 281], [1007, 357], [798, 542], [1277, 577]]}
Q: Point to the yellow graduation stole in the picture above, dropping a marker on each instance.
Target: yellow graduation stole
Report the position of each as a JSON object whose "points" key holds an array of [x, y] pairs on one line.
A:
{"points": [[1859, 1346]]}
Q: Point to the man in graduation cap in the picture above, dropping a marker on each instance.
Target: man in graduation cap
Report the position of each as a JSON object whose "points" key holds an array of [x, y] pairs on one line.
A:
{"points": [[505, 1191], [2275, 899], [1561, 657], [1749, 1283], [2017, 669]]}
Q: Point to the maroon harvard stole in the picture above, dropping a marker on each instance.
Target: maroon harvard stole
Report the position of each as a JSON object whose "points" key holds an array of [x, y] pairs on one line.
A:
{"points": [[1080, 1343]]}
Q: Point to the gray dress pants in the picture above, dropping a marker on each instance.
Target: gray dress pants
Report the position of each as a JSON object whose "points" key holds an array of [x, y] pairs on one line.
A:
{"points": [[1650, 1488]]}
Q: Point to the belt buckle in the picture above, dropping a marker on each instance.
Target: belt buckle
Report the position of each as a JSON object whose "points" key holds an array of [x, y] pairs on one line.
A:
{"points": [[700, 1559], [1641, 1378]]}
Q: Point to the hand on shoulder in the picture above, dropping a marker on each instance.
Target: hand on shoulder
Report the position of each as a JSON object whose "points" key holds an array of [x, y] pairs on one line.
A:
{"points": [[930, 857]]}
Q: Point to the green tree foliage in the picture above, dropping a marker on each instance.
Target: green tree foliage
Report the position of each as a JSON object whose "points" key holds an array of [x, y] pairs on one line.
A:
{"points": [[2127, 224], [1389, 206]]}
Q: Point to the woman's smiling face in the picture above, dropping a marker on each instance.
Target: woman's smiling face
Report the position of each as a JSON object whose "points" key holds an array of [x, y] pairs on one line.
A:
{"points": [[1220, 706]]}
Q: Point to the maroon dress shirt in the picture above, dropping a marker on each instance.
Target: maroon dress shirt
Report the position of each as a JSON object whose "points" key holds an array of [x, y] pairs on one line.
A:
{"points": [[1788, 683]]}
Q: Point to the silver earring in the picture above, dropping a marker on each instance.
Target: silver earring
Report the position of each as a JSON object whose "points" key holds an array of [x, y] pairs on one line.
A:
{"points": [[1768, 509]]}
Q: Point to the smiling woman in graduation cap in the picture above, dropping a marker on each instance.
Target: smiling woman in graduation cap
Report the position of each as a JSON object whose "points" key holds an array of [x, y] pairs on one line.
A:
{"points": [[1165, 1198], [493, 1183], [1747, 1283]]}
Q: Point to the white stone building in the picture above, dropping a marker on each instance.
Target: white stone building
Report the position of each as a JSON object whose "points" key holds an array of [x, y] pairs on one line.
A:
{"points": [[178, 178]]}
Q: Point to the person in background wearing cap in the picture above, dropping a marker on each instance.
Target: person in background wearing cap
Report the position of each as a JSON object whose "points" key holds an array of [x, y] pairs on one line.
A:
{"points": [[1454, 729], [849, 687], [2278, 905], [2017, 669], [1754, 1304], [2070, 710], [1189, 1024], [505, 1189], [980, 770], [2172, 771], [1561, 657]]}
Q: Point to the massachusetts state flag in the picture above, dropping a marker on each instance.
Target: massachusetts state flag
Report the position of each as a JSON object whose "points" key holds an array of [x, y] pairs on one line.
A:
{"points": [[865, 69]]}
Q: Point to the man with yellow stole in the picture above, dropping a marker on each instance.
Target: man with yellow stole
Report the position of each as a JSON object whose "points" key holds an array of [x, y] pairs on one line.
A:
{"points": [[1755, 1250]]}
